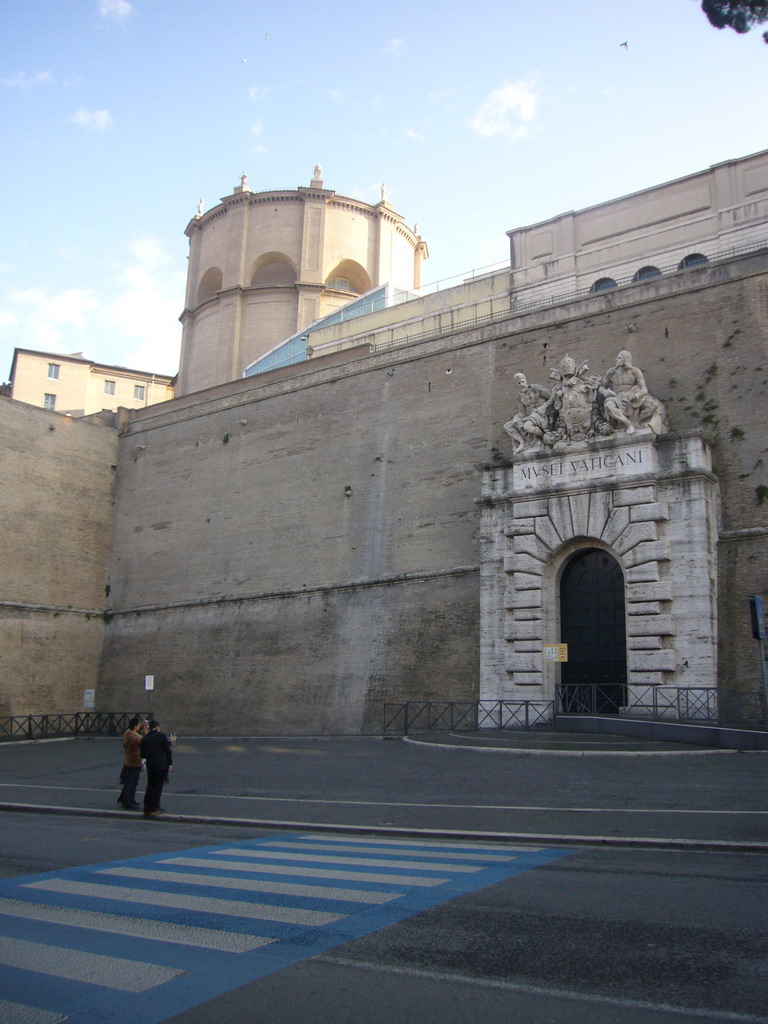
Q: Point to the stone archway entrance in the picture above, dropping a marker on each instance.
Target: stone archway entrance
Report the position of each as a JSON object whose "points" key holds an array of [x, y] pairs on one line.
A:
{"points": [[592, 623], [652, 503]]}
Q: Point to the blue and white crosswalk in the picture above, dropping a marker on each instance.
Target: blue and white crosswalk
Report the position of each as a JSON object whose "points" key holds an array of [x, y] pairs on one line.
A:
{"points": [[143, 939]]}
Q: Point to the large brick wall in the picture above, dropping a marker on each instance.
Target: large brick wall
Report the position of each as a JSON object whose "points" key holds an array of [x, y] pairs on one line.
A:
{"points": [[289, 553], [56, 501]]}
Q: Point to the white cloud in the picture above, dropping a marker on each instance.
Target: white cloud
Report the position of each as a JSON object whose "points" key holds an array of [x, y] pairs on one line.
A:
{"points": [[141, 319], [439, 95], [508, 111], [23, 80], [148, 252], [132, 321], [118, 10], [92, 120], [394, 48], [336, 95], [35, 318], [257, 93], [257, 128], [410, 134]]}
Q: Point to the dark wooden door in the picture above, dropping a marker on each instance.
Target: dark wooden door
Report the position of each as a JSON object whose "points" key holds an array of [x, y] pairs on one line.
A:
{"points": [[592, 624]]}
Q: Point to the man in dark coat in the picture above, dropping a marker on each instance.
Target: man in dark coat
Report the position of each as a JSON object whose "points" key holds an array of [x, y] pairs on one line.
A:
{"points": [[156, 749]]}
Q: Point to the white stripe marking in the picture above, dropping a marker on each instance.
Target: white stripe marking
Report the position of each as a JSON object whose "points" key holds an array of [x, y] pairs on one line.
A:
{"points": [[252, 884], [402, 803], [93, 968], [202, 904], [416, 845], [316, 858], [551, 993], [138, 927], [320, 847], [15, 1013], [305, 872]]}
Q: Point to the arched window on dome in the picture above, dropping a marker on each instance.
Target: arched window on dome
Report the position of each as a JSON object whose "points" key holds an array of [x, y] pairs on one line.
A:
{"points": [[349, 276], [273, 270], [603, 284], [210, 283], [341, 284], [693, 259], [645, 273]]}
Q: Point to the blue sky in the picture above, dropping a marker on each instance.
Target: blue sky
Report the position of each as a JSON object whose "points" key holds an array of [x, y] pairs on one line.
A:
{"points": [[117, 116]]}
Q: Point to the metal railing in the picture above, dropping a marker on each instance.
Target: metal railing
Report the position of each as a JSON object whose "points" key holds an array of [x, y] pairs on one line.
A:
{"points": [[56, 726], [523, 306], [466, 715], [697, 705]]}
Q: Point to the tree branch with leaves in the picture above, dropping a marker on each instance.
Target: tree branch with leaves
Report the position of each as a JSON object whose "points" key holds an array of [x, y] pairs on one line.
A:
{"points": [[740, 15]]}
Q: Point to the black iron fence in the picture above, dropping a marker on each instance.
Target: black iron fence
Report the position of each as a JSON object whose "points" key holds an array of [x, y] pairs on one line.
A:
{"points": [[691, 705], [79, 723], [452, 716], [703, 705]]}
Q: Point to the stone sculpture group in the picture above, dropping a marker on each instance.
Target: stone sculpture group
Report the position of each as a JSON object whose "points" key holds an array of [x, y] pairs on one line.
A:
{"points": [[581, 406]]}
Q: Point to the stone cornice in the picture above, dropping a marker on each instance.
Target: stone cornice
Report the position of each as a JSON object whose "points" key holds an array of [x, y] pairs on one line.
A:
{"points": [[263, 198], [239, 289], [57, 609], [197, 223], [390, 580], [380, 211], [750, 533]]}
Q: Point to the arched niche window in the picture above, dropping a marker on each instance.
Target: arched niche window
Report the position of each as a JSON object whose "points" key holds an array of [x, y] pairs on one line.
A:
{"points": [[349, 276], [604, 284], [210, 283], [341, 284], [272, 270], [645, 273], [693, 259]]}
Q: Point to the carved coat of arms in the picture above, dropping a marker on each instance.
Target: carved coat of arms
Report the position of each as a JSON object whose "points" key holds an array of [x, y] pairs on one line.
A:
{"points": [[581, 405]]}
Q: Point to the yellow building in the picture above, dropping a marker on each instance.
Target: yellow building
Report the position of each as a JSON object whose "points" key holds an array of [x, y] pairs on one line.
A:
{"points": [[77, 386]]}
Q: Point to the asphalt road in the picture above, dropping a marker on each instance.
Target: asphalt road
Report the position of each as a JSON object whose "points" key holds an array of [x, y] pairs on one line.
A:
{"points": [[700, 798], [593, 937], [673, 928]]}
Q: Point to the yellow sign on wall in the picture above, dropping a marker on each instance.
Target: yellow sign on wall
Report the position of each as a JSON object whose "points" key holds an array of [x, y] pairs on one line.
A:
{"points": [[555, 652]]}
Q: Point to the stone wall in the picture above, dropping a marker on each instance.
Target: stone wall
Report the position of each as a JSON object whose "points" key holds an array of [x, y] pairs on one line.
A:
{"points": [[289, 552], [56, 502]]}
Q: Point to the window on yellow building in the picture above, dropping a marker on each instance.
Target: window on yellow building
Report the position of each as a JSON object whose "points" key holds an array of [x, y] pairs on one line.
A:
{"points": [[109, 387]]}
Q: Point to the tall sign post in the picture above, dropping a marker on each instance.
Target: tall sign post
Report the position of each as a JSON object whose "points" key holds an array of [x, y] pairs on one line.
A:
{"points": [[149, 685], [758, 632], [558, 653]]}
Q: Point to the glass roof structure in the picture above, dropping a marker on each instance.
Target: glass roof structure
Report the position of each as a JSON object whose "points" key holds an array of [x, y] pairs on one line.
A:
{"points": [[294, 349]]}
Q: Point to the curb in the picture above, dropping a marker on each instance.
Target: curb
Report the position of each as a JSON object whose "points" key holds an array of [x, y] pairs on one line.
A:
{"points": [[522, 838], [576, 753]]}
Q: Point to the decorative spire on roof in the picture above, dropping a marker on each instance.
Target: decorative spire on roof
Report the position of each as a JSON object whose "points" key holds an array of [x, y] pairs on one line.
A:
{"points": [[243, 186]]}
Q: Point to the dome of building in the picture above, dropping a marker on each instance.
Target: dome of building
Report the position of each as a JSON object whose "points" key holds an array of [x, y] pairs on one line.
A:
{"points": [[264, 265]]}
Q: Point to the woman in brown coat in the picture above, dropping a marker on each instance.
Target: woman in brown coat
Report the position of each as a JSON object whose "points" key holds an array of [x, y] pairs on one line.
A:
{"points": [[129, 776]]}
